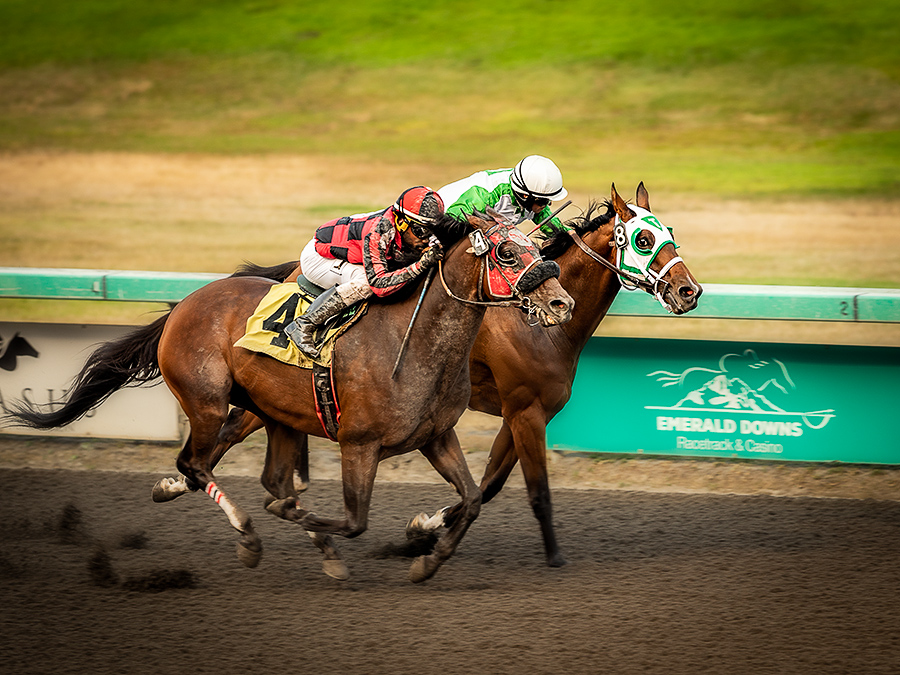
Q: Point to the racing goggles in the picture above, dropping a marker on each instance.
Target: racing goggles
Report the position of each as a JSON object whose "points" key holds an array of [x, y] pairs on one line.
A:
{"points": [[403, 223], [529, 201]]}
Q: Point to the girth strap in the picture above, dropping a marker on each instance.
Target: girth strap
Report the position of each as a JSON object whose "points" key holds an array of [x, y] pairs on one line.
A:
{"points": [[326, 401]]}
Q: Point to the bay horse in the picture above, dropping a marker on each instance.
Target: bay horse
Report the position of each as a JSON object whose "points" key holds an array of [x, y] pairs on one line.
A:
{"points": [[192, 348], [524, 374]]}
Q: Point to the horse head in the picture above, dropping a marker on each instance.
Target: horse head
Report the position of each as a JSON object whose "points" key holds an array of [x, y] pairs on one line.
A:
{"points": [[647, 257], [511, 267]]}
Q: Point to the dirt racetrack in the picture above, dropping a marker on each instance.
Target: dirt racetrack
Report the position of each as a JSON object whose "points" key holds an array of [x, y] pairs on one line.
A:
{"points": [[95, 578]]}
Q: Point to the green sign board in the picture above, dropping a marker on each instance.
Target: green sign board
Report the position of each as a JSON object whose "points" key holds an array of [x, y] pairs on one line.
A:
{"points": [[814, 403]]}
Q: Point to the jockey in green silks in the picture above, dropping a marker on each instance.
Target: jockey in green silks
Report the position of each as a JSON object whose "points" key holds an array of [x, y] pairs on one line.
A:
{"points": [[521, 193]]}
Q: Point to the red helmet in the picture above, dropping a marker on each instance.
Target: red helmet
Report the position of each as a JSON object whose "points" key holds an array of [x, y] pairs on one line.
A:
{"points": [[420, 204]]}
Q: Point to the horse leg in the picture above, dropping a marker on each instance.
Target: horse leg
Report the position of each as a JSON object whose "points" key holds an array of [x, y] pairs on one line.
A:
{"points": [[500, 463], [447, 458], [240, 424], [206, 415], [529, 431], [283, 446], [301, 465], [167, 489], [359, 463]]}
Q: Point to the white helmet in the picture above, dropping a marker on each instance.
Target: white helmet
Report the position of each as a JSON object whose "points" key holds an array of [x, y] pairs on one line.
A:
{"points": [[539, 177]]}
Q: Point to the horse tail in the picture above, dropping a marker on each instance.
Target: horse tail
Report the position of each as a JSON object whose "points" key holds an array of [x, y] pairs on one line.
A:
{"points": [[130, 360], [276, 273]]}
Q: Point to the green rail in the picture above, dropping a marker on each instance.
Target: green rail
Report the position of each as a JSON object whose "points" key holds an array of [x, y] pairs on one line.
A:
{"points": [[720, 301]]}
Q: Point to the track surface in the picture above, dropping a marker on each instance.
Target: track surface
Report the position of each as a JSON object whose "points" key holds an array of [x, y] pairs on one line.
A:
{"points": [[95, 578]]}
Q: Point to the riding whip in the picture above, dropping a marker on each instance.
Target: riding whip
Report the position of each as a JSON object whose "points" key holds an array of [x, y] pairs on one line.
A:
{"points": [[552, 215], [412, 320]]}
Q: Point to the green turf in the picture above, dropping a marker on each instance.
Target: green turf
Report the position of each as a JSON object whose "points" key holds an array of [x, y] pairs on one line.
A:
{"points": [[762, 97]]}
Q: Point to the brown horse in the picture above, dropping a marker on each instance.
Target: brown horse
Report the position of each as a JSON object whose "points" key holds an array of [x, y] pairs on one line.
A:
{"points": [[524, 374], [192, 347]]}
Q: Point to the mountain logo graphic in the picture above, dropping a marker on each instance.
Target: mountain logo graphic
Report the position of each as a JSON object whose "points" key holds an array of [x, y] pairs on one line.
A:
{"points": [[11, 350], [741, 383]]}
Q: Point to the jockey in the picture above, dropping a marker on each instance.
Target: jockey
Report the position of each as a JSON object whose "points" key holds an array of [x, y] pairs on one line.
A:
{"points": [[521, 193], [356, 257]]}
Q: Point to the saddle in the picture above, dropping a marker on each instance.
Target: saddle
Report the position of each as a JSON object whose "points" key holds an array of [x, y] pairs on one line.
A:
{"points": [[265, 334]]}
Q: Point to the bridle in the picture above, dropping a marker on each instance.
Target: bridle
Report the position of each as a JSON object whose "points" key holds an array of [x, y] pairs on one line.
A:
{"points": [[651, 282], [532, 274]]}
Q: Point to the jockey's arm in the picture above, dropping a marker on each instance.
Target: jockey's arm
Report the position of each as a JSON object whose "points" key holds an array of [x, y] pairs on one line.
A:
{"points": [[552, 226], [476, 198], [382, 280]]}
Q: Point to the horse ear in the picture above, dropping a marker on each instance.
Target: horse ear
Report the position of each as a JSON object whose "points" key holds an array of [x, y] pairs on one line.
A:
{"points": [[625, 214], [642, 197], [476, 222]]}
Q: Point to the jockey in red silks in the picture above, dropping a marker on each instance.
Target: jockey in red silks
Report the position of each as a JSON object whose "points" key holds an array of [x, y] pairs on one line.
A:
{"points": [[356, 257]]}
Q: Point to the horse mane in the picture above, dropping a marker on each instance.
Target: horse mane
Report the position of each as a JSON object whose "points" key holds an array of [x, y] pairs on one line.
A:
{"points": [[449, 230], [560, 241]]}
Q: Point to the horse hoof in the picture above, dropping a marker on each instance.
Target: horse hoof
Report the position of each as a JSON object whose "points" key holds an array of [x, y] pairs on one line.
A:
{"points": [[336, 569], [300, 485], [415, 528], [557, 561], [167, 489], [279, 507], [422, 569], [247, 556]]}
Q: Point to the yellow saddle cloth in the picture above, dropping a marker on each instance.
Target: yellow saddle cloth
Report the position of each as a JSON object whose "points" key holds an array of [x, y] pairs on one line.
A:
{"points": [[281, 305]]}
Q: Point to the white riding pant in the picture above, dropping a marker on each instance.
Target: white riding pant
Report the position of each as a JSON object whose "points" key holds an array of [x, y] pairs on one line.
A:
{"points": [[352, 283]]}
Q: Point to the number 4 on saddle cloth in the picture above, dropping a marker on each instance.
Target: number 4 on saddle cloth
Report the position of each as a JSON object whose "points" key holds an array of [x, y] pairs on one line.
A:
{"points": [[265, 334], [281, 305]]}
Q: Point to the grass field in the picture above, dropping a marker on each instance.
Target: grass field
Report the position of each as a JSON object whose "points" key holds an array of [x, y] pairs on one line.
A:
{"points": [[191, 135], [765, 98]]}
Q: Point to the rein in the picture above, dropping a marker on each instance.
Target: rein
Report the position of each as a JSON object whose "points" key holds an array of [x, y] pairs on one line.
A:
{"points": [[524, 302]]}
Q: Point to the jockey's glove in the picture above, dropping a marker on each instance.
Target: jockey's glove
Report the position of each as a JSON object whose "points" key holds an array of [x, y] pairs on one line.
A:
{"points": [[432, 254]]}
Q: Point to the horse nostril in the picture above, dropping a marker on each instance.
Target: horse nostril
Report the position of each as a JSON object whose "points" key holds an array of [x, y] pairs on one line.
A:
{"points": [[561, 306], [686, 292]]}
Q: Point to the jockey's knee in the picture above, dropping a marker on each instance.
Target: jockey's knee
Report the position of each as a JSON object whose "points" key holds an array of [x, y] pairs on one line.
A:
{"points": [[354, 291]]}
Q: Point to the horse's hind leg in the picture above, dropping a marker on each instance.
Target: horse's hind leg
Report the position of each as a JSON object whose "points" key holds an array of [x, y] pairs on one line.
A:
{"points": [[284, 446], [206, 415], [240, 424], [447, 458]]}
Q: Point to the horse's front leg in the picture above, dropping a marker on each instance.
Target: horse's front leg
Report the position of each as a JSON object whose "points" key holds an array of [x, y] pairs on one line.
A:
{"points": [[282, 450], [359, 464], [447, 458], [529, 432], [500, 463]]}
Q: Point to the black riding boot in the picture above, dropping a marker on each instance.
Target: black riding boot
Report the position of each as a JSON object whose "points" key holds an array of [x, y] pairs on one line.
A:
{"points": [[302, 329]]}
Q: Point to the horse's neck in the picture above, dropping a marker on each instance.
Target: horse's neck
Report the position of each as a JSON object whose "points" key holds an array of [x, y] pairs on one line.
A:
{"points": [[449, 326], [591, 285]]}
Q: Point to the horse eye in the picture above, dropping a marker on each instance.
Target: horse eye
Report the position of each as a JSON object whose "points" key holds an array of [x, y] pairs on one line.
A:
{"points": [[645, 241], [506, 253]]}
